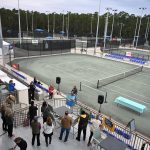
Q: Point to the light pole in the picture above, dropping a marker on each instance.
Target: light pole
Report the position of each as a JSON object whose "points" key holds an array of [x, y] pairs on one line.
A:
{"points": [[106, 26], [97, 26], [47, 21], [32, 21], [121, 32], [147, 29], [53, 24], [27, 22], [91, 24], [1, 42], [63, 22], [68, 26], [112, 27], [139, 25], [135, 31], [19, 23]]}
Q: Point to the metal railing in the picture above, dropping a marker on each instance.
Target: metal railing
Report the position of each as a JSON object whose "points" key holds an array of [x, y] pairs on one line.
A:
{"points": [[135, 142]]}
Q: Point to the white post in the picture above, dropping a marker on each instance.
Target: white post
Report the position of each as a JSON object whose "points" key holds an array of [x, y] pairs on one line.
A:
{"points": [[32, 21], [27, 22], [68, 27], [97, 27], [139, 26], [1, 42], [91, 24], [112, 27], [19, 23], [63, 22], [106, 26], [147, 29], [121, 32], [135, 31], [48, 22], [53, 24]]}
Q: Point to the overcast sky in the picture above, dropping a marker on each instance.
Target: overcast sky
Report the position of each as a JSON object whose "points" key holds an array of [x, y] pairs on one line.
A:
{"points": [[80, 6]]}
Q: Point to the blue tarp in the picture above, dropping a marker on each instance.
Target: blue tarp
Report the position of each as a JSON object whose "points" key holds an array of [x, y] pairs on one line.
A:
{"points": [[39, 30]]}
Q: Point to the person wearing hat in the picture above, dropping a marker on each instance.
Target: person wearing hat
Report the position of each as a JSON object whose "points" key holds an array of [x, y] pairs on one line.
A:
{"points": [[66, 123], [36, 127]]}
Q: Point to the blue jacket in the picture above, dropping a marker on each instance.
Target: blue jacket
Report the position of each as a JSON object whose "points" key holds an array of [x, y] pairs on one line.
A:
{"points": [[11, 87]]}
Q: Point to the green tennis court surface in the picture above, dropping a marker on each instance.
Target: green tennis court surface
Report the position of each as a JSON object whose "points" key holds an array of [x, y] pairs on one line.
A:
{"points": [[74, 69]]}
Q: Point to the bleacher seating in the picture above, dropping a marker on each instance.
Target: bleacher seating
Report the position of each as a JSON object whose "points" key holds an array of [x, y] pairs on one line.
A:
{"points": [[123, 56]]}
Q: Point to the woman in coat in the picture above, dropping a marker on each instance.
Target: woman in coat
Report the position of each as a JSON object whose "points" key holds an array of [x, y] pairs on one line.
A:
{"points": [[48, 130]]}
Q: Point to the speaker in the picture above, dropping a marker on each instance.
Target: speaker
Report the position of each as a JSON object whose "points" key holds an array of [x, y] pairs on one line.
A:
{"points": [[100, 99], [58, 80]]}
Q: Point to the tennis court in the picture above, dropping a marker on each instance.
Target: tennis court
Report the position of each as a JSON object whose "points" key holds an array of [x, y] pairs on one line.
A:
{"points": [[76, 68]]}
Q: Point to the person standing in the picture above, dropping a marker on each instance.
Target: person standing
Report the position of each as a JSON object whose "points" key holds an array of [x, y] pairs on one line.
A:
{"points": [[94, 125], [3, 110], [82, 125], [31, 91], [47, 111], [66, 123], [10, 101], [32, 111], [51, 91], [74, 91], [11, 86], [48, 130], [36, 127], [21, 143], [9, 121]]}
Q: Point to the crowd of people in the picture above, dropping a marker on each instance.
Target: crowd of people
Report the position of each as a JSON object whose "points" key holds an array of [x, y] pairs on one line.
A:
{"points": [[48, 125]]}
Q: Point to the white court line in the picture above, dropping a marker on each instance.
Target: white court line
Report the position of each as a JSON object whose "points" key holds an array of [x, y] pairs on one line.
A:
{"points": [[92, 88], [137, 82], [117, 92], [129, 91], [143, 74]]}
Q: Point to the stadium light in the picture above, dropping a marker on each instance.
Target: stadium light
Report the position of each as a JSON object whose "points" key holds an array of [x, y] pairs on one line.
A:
{"points": [[121, 25], [97, 27], [53, 23], [106, 26], [19, 23], [142, 9], [63, 22], [27, 21], [92, 24], [32, 21], [112, 27], [47, 21], [147, 29], [68, 25], [135, 30]]}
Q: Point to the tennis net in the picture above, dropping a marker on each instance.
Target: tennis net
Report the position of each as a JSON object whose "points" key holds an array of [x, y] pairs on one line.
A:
{"points": [[111, 79]]}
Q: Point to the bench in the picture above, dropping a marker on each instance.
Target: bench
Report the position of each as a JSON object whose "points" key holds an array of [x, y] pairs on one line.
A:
{"points": [[130, 104]]}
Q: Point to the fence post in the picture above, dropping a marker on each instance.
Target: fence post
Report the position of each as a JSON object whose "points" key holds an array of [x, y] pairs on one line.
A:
{"points": [[80, 86], [97, 84]]}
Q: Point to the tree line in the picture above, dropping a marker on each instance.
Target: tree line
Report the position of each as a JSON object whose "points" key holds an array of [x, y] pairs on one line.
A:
{"points": [[79, 24]]}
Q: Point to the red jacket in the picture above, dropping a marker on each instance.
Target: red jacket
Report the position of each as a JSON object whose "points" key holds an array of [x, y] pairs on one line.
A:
{"points": [[51, 89]]}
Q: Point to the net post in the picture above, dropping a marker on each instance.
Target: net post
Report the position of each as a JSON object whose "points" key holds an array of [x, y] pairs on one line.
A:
{"points": [[80, 86], [97, 84]]}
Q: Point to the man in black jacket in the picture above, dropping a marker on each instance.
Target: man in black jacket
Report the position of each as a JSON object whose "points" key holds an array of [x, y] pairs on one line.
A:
{"points": [[83, 121], [32, 111]]}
